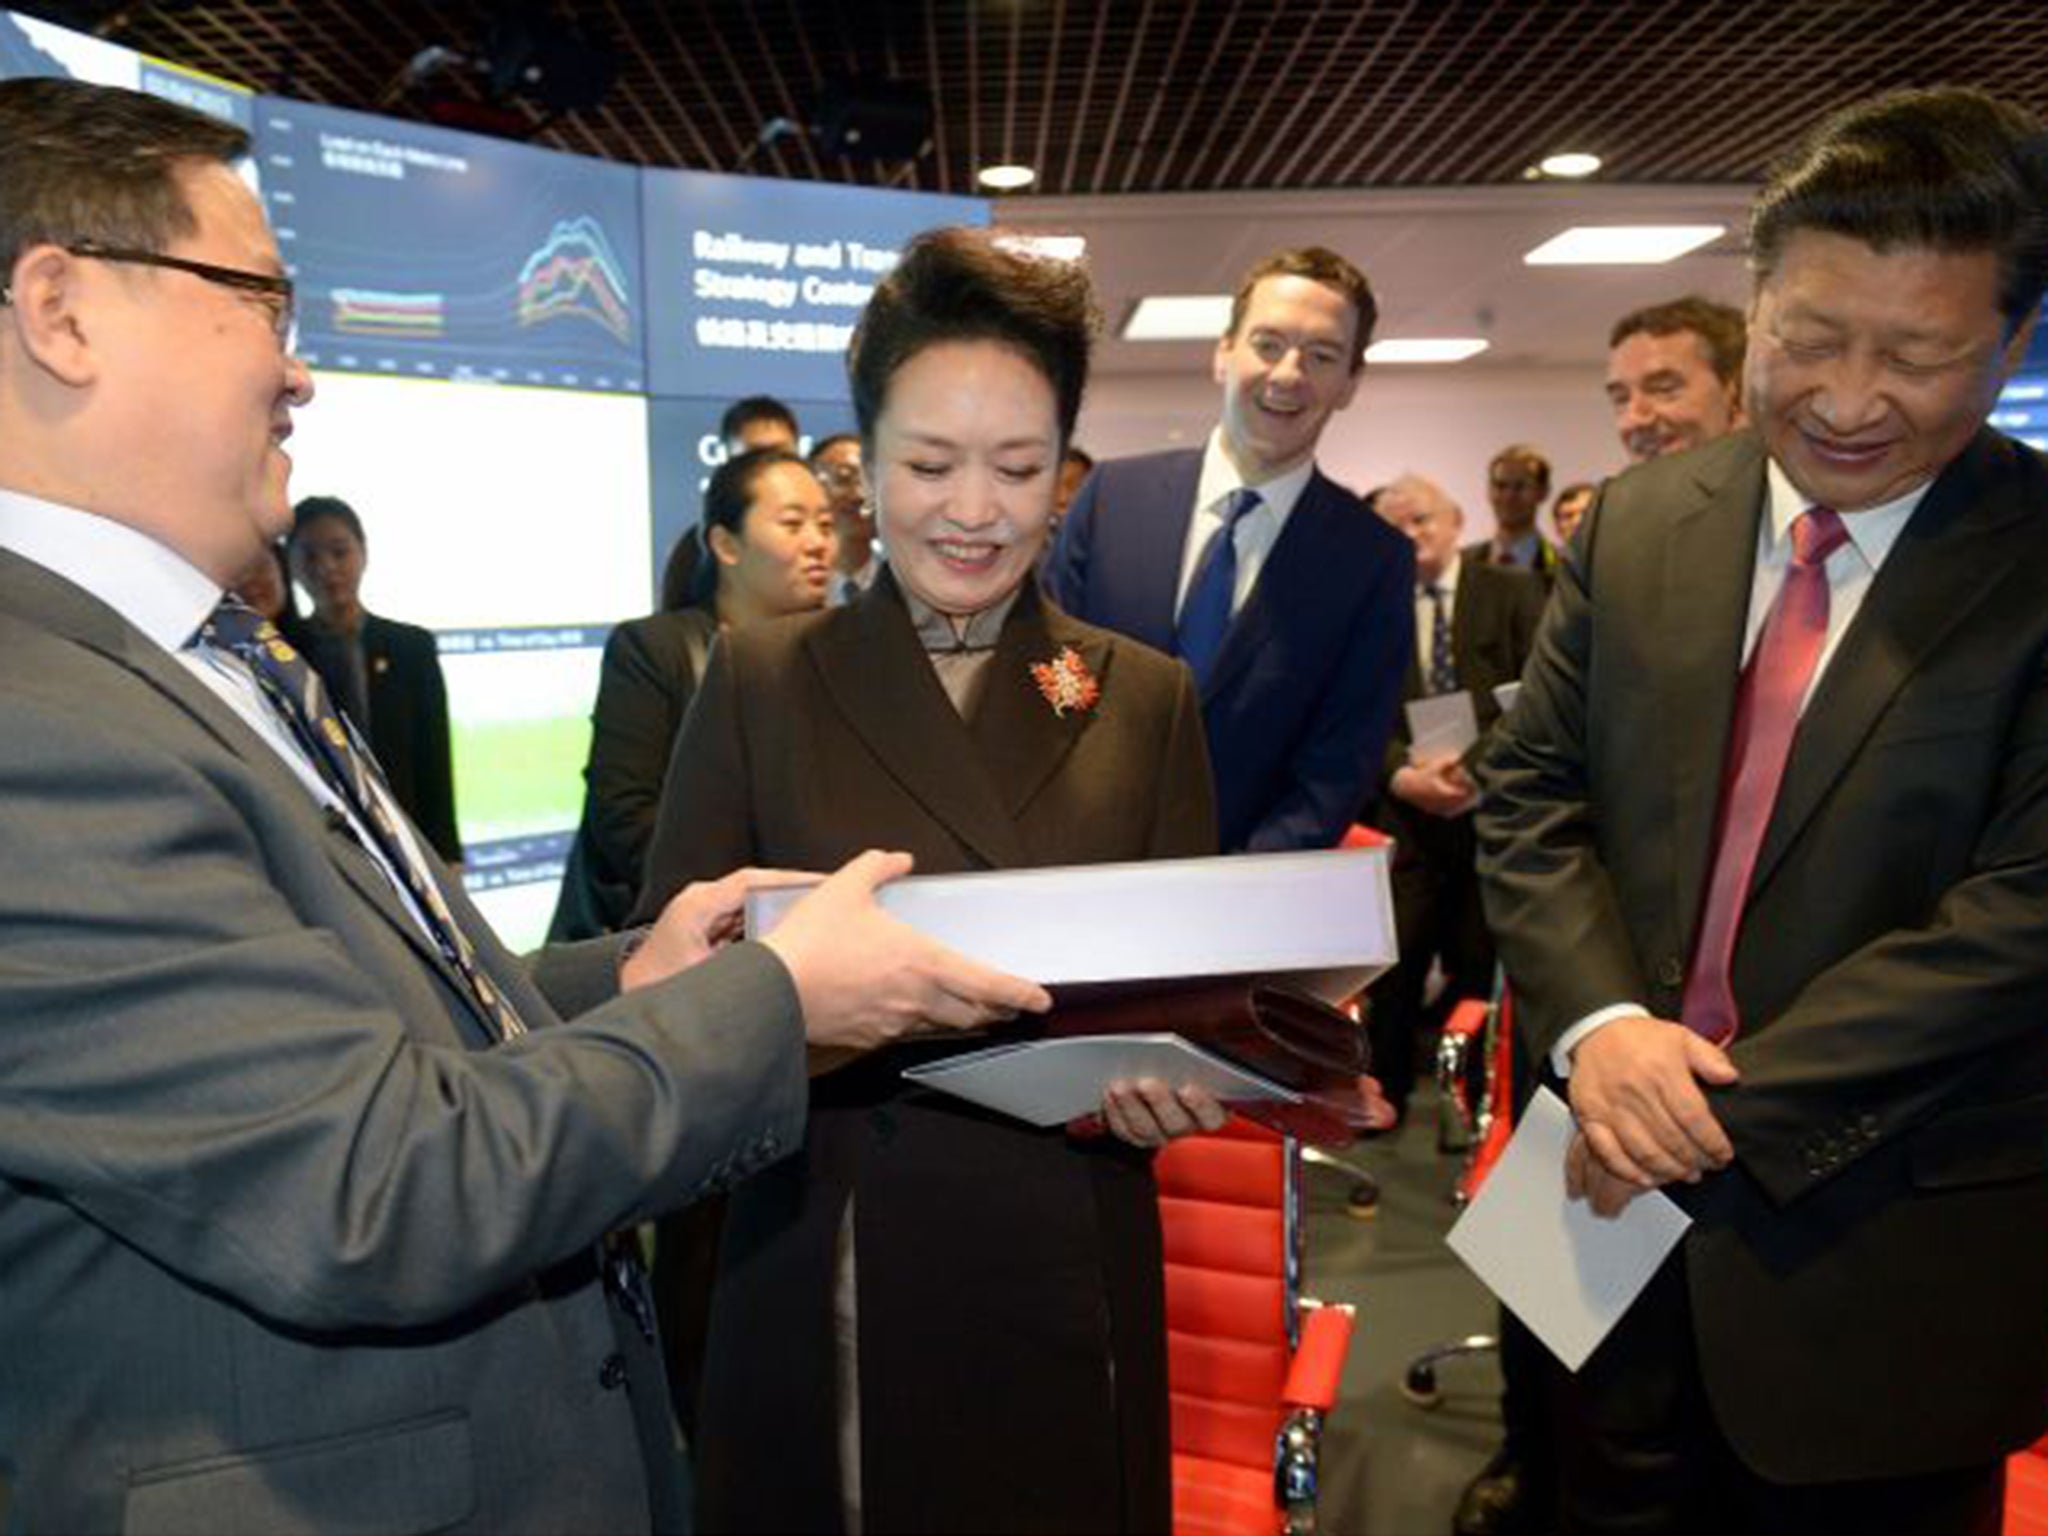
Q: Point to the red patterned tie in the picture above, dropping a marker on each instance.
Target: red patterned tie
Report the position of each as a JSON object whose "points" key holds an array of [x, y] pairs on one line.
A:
{"points": [[1766, 716]]}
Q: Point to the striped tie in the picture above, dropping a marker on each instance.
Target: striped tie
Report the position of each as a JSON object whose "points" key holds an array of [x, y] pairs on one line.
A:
{"points": [[295, 692]]}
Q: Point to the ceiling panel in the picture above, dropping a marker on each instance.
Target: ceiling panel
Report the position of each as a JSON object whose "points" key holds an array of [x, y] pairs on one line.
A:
{"points": [[1139, 96]]}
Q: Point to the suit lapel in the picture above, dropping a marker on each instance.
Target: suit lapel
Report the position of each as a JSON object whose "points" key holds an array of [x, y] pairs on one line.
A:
{"points": [[57, 605], [880, 680], [1943, 564], [1158, 543], [1022, 740], [1291, 567], [1708, 563]]}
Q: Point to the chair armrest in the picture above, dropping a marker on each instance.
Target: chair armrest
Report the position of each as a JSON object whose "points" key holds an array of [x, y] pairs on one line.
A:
{"points": [[1318, 1363]]}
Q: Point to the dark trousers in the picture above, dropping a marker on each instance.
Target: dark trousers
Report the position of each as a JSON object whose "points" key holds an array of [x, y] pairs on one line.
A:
{"points": [[1437, 918], [1639, 1450]]}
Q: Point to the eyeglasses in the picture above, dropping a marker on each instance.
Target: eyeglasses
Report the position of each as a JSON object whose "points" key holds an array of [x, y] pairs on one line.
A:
{"points": [[840, 474], [276, 294]]}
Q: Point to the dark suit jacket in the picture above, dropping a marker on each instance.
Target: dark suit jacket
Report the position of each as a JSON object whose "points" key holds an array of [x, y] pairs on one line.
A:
{"points": [[1548, 558], [1494, 615], [650, 672], [1867, 1282], [408, 732], [1011, 1269], [1306, 686], [288, 1244]]}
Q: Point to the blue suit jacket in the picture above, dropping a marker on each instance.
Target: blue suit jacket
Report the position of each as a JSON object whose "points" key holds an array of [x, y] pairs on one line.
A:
{"points": [[1304, 690]]}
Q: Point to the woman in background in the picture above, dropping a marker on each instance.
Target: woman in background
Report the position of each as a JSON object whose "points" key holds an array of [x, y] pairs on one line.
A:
{"points": [[386, 676], [767, 550], [936, 1318]]}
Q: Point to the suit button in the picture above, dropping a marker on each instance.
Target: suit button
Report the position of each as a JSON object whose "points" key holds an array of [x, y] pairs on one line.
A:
{"points": [[1671, 972], [612, 1374]]}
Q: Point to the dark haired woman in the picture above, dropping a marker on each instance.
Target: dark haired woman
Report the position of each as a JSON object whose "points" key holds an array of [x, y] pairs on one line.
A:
{"points": [[937, 1319], [766, 549], [385, 675]]}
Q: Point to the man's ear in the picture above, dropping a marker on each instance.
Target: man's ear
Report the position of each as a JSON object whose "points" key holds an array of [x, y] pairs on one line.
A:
{"points": [[46, 314]]}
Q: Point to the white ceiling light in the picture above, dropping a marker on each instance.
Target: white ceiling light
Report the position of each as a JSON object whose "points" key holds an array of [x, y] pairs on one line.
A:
{"points": [[1569, 164], [1046, 247], [1005, 178], [1613, 245], [1179, 317], [1424, 349]]}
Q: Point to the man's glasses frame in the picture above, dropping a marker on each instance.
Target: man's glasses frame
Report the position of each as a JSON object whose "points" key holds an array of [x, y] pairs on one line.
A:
{"points": [[279, 292]]}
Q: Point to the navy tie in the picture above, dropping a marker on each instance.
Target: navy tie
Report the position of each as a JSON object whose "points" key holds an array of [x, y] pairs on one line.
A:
{"points": [[1205, 615], [297, 696], [1443, 668]]}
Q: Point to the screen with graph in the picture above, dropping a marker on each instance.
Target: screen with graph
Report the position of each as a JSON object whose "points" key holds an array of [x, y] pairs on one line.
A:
{"points": [[424, 252]]}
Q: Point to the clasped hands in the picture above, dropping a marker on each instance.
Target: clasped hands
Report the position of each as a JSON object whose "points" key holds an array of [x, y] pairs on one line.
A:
{"points": [[865, 979], [1436, 783], [1643, 1116]]}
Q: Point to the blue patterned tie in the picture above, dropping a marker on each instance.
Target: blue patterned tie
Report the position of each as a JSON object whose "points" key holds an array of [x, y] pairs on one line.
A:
{"points": [[296, 694], [1205, 614]]}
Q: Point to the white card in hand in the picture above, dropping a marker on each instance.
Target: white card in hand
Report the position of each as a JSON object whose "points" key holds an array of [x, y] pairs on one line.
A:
{"points": [[1445, 725], [1568, 1274], [1049, 1082]]}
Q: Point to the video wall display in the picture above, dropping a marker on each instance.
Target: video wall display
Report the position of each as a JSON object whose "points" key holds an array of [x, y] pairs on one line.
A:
{"points": [[520, 361], [431, 253], [30, 48], [764, 280]]}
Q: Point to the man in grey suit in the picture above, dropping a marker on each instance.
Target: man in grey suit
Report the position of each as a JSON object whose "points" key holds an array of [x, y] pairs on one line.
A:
{"points": [[303, 1181]]}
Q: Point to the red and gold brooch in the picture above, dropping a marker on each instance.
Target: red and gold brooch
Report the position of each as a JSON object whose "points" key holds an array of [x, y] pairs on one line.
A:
{"points": [[1066, 682]]}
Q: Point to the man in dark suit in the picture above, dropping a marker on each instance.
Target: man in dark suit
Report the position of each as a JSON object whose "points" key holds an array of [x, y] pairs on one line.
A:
{"points": [[302, 1177], [1288, 599], [1765, 846], [1517, 481], [1474, 624], [1674, 375]]}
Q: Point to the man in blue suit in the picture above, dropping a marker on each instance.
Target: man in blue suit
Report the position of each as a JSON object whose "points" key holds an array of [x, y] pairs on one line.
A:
{"points": [[1288, 599]]}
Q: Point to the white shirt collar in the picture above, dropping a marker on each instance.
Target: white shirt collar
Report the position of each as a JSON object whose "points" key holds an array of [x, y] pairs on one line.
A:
{"points": [[1220, 477], [1873, 531], [1447, 578], [152, 587]]}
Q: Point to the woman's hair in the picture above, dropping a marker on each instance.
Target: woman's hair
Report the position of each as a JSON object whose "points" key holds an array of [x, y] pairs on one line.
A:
{"points": [[968, 285], [315, 509], [726, 500]]}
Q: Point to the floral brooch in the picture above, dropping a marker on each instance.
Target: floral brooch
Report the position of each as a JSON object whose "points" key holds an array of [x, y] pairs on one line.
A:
{"points": [[1066, 682]]}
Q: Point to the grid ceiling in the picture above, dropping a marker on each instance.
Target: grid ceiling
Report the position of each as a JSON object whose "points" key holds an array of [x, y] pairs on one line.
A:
{"points": [[1114, 96]]}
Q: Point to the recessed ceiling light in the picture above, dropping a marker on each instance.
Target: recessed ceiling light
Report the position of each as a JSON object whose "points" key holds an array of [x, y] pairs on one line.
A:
{"points": [[1425, 349], [1570, 163], [1005, 178], [1179, 317], [1048, 247], [1609, 245]]}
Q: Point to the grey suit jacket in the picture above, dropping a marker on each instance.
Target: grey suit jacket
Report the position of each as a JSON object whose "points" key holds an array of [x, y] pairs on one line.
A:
{"points": [[1867, 1281], [286, 1243]]}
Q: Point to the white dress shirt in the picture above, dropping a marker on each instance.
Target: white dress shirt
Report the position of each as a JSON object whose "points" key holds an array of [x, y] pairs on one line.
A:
{"points": [[167, 599], [1256, 532], [1851, 569]]}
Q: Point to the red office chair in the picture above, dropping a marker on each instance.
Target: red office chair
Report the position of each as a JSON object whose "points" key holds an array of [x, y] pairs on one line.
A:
{"points": [[2026, 1491], [1481, 1101], [1252, 1366]]}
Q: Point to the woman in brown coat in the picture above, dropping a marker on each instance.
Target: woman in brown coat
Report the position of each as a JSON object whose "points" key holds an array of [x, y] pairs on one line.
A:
{"points": [[935, 1318]]}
